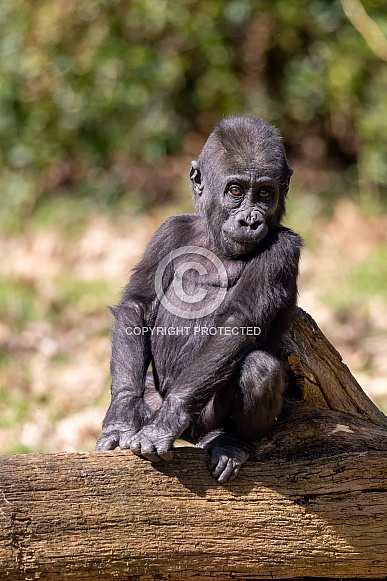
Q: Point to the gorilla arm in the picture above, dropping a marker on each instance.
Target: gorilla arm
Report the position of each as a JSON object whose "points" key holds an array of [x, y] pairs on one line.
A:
{"points": [[131, 355]]}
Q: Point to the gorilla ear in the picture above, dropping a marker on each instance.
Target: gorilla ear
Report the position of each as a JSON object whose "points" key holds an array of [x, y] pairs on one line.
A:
{"points": [[196, 178], [290, 173]]}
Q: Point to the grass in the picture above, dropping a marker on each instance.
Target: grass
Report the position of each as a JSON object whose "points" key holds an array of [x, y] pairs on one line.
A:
{"points": [[87, 297], [369, 277], [357, 285], [20, 303]]}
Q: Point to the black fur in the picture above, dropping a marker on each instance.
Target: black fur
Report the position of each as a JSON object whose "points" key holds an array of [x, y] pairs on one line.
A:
{"points": [[223, 389]]}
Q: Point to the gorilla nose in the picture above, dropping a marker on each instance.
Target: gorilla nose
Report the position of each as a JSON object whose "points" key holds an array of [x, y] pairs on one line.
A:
{"points": [[250, 219]]}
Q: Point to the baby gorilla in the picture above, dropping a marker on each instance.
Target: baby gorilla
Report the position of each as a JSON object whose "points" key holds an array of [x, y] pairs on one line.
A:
{"points": [[206, 308]]}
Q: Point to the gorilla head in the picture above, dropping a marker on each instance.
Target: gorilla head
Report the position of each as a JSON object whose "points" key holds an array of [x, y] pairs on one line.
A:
{"points": [[240, 183]]}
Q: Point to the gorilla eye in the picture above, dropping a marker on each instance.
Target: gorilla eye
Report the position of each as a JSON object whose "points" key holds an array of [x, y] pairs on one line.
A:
{"points": [[265, 193], [235, 191]]}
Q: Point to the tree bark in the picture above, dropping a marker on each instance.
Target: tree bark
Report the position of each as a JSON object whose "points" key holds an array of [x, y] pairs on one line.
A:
{"points": [[311, 503], [317, 375]]}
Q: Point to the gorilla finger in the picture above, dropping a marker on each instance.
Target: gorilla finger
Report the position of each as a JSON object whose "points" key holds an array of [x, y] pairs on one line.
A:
{"points": [[228, 468], [220, 466], [135, 446], [152, 456], [141, 446], [149, 452], [167, 455], [234, 473], [125, 439], [138, 450], [213, 461], [106, 442]]}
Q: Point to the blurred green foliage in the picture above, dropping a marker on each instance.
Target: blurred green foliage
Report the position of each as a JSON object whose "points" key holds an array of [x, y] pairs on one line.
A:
{"points": [[356, 283], [19, 304], [95, 94]]}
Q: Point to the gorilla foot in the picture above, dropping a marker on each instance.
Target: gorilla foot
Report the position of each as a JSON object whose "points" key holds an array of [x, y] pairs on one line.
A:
{"points": [[227, 455]]}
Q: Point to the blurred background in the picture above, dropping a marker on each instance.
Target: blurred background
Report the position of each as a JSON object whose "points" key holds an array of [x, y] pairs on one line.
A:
{"points": [[103, 104]]}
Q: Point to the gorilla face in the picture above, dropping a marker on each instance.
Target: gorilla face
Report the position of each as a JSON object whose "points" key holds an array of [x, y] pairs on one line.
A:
{"points": [[251, 202]]}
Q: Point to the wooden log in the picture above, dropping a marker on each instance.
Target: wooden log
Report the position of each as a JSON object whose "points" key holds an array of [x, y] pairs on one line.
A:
{"points": [[111, 515], [311, 503], [317, 375]]}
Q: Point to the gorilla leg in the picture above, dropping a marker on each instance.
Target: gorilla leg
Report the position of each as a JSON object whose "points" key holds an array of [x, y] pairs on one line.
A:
{"points": [[241, 413], [152, 398], [258, 400]]}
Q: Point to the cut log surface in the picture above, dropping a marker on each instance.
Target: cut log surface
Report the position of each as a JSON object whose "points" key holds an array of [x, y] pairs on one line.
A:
{"points": [[311, 503]]}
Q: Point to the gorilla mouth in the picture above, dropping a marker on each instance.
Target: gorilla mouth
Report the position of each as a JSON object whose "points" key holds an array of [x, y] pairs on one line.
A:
{"points": [[248, 236]]}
